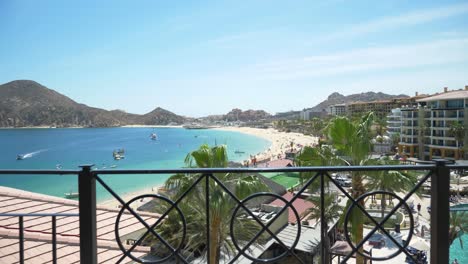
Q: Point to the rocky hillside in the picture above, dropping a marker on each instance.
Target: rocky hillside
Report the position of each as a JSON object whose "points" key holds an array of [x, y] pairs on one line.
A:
{"points": [[26, 103], [337, 98], [239, 115], [162, 117]]}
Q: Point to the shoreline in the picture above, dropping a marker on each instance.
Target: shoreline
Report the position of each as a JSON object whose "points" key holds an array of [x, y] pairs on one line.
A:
{"points": [[279, 143], [113, 203]]}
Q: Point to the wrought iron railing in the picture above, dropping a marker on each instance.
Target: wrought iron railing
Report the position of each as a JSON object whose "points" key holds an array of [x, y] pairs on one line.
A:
{"points": [[21, 229], [438, 172]]}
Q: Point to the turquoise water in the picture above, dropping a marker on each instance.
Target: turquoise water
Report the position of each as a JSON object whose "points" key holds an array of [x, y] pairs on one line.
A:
{"points": [[69, 148], [456, 252]]}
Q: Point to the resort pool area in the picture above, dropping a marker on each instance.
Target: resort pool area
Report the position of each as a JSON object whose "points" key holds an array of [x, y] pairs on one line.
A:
{"points": [[456, 252]]}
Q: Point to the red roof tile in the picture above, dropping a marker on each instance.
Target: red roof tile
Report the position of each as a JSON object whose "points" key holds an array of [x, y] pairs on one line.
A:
{"points": [[299, 204]]}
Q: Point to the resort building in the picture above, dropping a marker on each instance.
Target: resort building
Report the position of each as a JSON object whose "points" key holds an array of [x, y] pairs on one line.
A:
{"points": [[394, 122], [382, 107], [337, 109], [425, 130]]}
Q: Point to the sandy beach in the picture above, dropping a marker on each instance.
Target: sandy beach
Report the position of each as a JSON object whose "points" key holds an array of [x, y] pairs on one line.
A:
{"points": [[113, 203], [280, 142]]}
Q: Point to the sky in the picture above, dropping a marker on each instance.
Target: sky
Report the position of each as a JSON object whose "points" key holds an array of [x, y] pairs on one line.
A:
{"points": [[196, 58]]}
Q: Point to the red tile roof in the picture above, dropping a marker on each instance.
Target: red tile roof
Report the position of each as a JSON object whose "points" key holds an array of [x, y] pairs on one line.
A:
{"points": [[37, 230], [299, 204]]}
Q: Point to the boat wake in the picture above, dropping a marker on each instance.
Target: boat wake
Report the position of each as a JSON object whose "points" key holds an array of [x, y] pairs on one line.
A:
{"points": [[31, 154]]}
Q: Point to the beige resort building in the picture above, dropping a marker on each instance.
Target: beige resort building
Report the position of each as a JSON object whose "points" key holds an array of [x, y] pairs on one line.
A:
{"points": [[425, 129]]}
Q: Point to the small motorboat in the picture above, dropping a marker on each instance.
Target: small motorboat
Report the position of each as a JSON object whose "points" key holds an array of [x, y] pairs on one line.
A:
{"points": [[19, 157], [153, 136], [239, 152], [118, 154], [71, 195]]}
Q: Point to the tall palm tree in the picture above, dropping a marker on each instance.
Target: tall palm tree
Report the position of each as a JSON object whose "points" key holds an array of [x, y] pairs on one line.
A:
{"points": [[320, 156], [458, 130], [315, 156], [332, 212], [390, 180], [221, 205], [352, 143], [458, 226]]}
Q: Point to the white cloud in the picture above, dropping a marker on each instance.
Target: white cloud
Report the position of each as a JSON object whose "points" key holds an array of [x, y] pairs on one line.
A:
{"points": [[408, 19], [357, 61]]}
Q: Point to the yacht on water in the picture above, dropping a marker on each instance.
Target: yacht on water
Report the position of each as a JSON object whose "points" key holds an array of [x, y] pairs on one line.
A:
{"points": [[153, 136], [19, 157], [71, 194], [118, 154]]}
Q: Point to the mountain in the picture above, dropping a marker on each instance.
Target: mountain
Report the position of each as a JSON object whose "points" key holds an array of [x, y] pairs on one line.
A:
{"points": [[162, 117], [27, 103], [239, 115], [337, 98]]}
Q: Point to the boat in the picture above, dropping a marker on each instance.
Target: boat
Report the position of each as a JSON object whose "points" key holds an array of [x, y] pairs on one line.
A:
{"points": [[113, 166], [118, 154], [153, 136], [19, 157], [71, 194], [239, 152]]}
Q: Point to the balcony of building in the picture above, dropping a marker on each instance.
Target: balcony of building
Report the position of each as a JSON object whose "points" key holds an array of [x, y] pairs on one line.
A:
{"points": [[41, 229]]}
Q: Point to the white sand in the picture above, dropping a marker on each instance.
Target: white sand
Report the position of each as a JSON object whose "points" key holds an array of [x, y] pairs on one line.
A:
{"points": [[280, 141], [113, 203]]}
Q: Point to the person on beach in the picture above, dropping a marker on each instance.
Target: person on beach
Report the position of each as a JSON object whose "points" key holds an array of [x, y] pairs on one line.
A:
{"points": [[419, 208]]}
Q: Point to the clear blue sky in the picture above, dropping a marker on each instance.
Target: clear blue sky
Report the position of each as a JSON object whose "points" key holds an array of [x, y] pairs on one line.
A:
{"points": [[206, 57]]}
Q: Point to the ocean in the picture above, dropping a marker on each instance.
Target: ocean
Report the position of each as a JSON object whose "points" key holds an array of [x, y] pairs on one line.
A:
{"points": [[68, 148]]}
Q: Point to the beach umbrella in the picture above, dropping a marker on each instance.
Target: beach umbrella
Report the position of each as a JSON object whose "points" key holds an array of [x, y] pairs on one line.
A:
{"points": [[420, 244]]}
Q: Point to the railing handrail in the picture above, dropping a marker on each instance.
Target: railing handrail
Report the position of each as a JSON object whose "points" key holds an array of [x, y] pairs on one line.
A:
{"points": [[426, 166], [38, 214], [439, 171]]}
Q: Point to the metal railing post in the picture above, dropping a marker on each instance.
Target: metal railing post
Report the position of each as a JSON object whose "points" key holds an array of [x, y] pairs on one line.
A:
{"points": [[87, 209], [440, 213], [21, 239], [54, 239], [322, 221]]}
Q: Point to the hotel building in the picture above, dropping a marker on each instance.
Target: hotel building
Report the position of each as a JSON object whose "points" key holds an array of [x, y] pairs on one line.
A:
{"points": [[425, 131]]}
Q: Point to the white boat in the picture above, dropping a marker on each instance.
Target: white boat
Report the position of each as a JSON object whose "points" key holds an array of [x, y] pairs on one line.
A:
{"points": [[72, 195], [118, 154], [153, 136]]}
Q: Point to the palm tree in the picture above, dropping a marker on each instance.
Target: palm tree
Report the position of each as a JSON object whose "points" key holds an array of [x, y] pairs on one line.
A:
{"points": [[221, 204], [352, 143], [315, 156], [319, 156], [390, 180], [332, 212], [380, 125], [458, 130], [458, 226]]}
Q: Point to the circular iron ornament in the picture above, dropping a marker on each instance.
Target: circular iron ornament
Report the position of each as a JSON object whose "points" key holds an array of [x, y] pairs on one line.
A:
{"points": [[400, 249], [256, 195], [155, 196]]}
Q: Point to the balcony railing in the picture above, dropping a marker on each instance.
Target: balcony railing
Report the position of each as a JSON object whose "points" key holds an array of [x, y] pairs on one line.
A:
{"points": [[437, 172]]}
